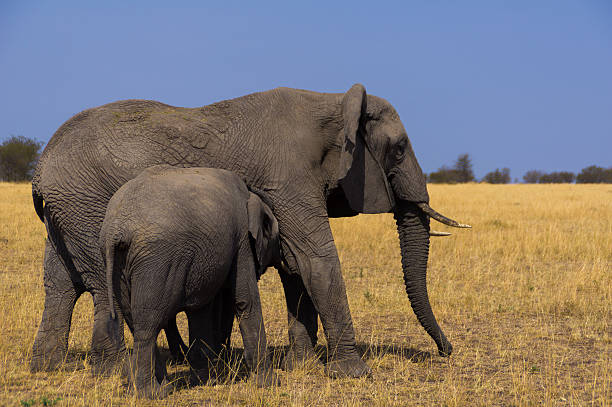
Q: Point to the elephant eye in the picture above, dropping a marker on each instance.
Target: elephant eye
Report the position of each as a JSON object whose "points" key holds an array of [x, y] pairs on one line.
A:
{"points": [[400, 150]]}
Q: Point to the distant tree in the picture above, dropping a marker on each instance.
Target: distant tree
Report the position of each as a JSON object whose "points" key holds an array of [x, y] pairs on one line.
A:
{"points": [[498, 176], [594, 175], [557, 177], [463, 167], [444, 175], [18, 157], [532, 177]]}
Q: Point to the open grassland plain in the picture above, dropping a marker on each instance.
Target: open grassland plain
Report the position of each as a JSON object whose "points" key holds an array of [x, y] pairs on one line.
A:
{"points": [[525, 297]]}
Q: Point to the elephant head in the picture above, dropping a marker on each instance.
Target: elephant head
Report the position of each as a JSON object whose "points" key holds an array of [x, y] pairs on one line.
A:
{"points": [[379, 172], [264, 234]]}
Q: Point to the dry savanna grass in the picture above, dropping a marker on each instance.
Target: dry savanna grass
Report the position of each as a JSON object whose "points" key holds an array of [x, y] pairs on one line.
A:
{"points": [[525, 297]]}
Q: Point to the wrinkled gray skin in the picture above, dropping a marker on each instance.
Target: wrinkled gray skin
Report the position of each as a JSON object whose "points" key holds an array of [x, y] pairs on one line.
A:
{"points": [[172, 239], [308, 155]]}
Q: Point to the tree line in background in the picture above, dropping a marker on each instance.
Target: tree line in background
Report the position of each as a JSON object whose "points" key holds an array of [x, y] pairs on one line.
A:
{"points": [[18, 157], [462, 171]]}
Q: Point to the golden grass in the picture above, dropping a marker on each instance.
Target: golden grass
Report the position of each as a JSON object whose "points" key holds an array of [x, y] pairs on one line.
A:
{"points": [[525, 297]]}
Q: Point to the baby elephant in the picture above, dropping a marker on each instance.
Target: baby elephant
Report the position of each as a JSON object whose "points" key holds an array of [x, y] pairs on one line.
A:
{"points": [[175, 239]]}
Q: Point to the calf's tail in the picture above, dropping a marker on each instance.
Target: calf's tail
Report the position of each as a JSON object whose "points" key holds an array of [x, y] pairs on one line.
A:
{"points": [[109, 253]]}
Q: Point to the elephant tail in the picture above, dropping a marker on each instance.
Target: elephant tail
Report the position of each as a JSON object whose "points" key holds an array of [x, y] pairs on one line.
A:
{"points": [[109, 254]]}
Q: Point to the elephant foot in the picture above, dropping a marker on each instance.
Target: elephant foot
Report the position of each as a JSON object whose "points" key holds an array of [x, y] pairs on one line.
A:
{"points": [[152, 390], [300, 357], [347, 368], [211, 375], [266, 378], [153, 387], [105, 365], [198, 377], [49, 352], [40, 363], [178, 351], [155, 390], [72, 365], [177, 359]]}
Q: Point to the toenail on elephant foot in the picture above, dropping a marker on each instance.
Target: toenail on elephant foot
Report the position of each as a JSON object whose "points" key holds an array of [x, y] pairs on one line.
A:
{"points": [[347, 368]]}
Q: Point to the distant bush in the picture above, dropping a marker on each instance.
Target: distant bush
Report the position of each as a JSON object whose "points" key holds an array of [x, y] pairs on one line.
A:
{"points": [[463, 168], [444, 175], [18, 157], [559, 177], [498, 176], [461, 172], [555, 177], [594, 175], [532, 177]]}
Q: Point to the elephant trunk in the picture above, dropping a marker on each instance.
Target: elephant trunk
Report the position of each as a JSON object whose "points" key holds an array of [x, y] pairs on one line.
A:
{"points": [[413, 230]]}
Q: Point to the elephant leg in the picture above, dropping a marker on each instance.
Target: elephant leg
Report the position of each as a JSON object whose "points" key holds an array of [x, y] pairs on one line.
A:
{"points": [[328, 292], [107, 345], [204, 346], [303, 318], [222, 313], [250, 317], [210, 330], [147, 315], [309, 249], [61, 293], [178, 349], [80, 257], [147, 372]]}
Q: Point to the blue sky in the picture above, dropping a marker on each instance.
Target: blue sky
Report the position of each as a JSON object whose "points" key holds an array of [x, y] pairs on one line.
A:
{"points": [[518, 84]]}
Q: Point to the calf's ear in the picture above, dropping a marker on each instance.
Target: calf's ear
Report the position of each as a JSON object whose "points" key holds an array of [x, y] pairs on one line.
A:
{"points": [[263, 229]]}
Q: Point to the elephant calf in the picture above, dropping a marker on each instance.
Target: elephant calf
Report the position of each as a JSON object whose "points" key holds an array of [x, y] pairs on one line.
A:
{"points": [[175, 239]]}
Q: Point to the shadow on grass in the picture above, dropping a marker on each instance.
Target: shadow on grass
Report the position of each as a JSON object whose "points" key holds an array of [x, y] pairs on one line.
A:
{"points": [[370, 351], [230, 366]]}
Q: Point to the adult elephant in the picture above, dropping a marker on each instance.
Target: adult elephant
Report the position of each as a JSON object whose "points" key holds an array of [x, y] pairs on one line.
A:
{"points": [[308, 155]]}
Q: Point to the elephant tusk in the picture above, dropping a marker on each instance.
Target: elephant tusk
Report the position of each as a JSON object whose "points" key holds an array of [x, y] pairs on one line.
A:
{"points": [[436, 233], [440, 218]]}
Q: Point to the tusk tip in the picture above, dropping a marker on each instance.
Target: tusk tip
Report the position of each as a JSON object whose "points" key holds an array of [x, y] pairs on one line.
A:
{"points": [[440, 218]]}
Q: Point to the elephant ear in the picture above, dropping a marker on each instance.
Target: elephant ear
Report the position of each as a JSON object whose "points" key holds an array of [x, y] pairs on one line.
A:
{"points": [[263, 229], [354, 106], [360, 175]]}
